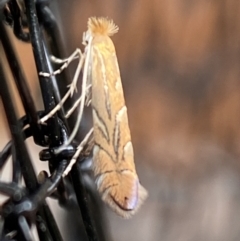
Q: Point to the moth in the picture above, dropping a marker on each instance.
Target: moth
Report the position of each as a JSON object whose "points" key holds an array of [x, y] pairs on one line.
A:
{"points": [[113, 157]]}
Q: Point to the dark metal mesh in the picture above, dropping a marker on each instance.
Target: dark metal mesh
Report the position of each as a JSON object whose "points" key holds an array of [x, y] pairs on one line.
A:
{"points": [[35, 24]]}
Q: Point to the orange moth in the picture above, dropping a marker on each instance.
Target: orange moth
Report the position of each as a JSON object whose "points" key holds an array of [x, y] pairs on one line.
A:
{"points": [[113, 158]]}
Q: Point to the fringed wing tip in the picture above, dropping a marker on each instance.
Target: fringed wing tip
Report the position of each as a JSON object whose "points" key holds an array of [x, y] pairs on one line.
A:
{"points": [[102, 26], [142, 195]]}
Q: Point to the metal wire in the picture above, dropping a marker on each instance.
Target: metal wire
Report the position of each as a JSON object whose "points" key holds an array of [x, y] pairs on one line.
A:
{"points": [[26, 204]]}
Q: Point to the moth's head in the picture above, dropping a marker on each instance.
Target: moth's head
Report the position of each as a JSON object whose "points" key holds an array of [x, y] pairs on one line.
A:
{"points": [[102, 26]]}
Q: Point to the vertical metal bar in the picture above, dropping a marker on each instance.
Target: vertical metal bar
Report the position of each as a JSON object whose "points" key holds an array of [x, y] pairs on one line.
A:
{"points": [[39, 55], [56, 47], [16, 169], [83, 202], [24, 226], [42, 66], [16, 133], [22, 85], [53, 228], [47, 19]]}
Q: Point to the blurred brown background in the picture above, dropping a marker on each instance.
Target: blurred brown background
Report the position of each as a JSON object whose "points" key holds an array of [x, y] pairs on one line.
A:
{"points": [[180, 62]]}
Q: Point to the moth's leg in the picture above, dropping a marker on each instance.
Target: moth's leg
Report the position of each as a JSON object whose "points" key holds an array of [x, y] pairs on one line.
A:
{"points": [[76, 103], [89, 90], [80, 148], [87, 65], [77, 53], [88, 94], [60, 61], [69, 92]]}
